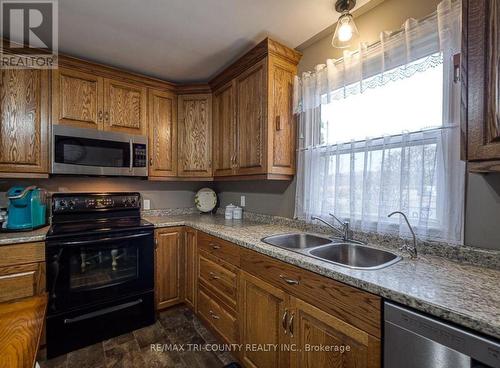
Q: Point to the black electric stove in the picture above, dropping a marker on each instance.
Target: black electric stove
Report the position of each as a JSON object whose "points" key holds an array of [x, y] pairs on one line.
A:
{"points": [[100, 269]]}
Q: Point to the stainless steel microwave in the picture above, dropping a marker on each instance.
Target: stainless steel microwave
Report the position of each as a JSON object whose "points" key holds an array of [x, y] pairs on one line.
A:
{"points": [[79, 151]]}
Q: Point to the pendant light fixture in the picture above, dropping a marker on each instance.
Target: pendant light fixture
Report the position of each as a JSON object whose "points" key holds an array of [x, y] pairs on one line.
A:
{"points": [[346, 30]]}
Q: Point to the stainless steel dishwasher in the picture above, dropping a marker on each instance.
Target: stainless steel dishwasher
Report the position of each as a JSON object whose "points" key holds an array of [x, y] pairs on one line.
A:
{"points": [[414, 340]]}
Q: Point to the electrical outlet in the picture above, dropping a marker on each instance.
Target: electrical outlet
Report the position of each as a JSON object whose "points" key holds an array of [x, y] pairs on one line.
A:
{"points": [[242, 201], [146, 204]]}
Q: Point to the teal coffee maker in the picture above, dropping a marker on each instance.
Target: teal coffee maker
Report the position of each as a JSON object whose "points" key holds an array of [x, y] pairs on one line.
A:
{"points": [[27, 208]]}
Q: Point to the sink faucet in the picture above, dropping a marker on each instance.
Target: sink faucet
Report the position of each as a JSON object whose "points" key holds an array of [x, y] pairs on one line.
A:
{"points": [[343, 231], [413, 252]]}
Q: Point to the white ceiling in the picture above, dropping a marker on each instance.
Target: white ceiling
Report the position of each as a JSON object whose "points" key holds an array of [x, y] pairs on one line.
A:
{"points": [[184, 40]]}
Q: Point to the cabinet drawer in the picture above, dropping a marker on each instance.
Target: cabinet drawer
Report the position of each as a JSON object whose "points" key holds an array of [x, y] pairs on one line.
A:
{"points": [[352, 305], [220, 279], [219, 248], [21, 281], [15, 254], [221, 320]]}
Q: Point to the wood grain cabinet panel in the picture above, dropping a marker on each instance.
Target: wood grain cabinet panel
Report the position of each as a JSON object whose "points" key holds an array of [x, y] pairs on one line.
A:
{"points": [[195, 135], [481, 83], [263, 320], [251, 89], [190, 273], [162, 134], [22, 281], [312, 330], [282, 127], [224, 123], [125, 107], [169, 267], [24, 122], [77, 99]]}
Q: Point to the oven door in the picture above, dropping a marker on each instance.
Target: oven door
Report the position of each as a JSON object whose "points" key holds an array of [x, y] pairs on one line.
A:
{"points": [[91, 152], [89, 270]]}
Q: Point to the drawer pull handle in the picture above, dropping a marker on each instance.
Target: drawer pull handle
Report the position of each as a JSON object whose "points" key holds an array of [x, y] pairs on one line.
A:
{"points": [[283, 321], [290, 325], [214, 276], [214, 316], [289, 281], [214, 246]]}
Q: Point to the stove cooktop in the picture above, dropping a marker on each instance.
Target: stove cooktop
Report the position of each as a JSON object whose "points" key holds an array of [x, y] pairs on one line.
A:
{"points": [[95, 227]]}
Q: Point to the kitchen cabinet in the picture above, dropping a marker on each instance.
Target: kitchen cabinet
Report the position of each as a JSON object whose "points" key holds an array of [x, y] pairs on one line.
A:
{"points": [[22, 271], [24, 123], [481, 83], [162, 134], [261, 82], [190, 271], [77, 99], [344, 346], [195, 136], [169, 267], [125, 107], [264, 317], [224, 125], [87, 100]]}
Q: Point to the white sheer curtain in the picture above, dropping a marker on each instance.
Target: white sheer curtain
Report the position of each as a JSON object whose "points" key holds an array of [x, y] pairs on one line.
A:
{"points": [[416, 169]]}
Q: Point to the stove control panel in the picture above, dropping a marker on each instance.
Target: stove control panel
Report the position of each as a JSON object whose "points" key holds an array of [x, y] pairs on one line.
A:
{"points": [[71, 203]]}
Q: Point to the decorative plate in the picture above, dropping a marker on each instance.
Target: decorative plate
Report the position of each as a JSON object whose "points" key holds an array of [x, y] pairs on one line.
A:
{"points": [[205, 200]]}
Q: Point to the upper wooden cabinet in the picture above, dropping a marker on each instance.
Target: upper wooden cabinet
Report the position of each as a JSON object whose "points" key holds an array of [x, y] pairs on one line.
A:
{"points": [[88, 100], [260, 86], [224, 125], [481, 83], [162, 134], [24, 123], [77, 99], [195, 135], [125, 107]]}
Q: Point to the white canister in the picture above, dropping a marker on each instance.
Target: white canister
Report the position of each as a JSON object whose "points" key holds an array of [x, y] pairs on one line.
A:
{"points": [[237, 213], [229, 212]]}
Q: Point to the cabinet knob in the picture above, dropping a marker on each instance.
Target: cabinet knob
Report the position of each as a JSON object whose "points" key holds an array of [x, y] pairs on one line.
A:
{"points": [[283, 321], [290, 324], [289, 281], [150, 161], [278, 123], [99, 115], [106, 116], [214, 246], [214, 316], [214, 276]]}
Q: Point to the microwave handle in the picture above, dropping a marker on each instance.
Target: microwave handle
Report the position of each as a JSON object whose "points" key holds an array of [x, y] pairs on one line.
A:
{"points": [[84, 242], [131, 162]]}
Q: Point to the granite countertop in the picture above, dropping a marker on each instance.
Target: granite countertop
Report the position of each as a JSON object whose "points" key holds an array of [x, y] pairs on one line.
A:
{"points": [[463, 294], [7, 238]]}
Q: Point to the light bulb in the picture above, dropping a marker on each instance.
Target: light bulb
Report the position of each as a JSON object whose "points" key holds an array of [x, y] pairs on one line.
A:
{"points": [[345, 32]]}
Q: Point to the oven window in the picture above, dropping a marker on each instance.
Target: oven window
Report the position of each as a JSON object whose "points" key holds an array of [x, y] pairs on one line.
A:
{"points": [[91, 152], [94, 268]]}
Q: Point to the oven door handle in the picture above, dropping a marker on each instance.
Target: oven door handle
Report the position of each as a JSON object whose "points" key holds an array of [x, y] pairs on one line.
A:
{"points": [[84, 242], [102, 312]]}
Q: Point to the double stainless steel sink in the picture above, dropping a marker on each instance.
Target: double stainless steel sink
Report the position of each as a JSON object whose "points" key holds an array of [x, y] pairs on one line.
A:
{"points": [[339, 252]]}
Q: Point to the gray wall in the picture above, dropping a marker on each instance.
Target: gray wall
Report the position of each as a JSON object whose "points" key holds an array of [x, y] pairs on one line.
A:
{"points": [[161, 194]]}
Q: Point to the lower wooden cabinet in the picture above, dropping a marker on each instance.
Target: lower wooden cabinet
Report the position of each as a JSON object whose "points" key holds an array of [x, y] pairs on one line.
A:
{"points": [[169, 267], [22, 271], [263, 321], [322, 340]]}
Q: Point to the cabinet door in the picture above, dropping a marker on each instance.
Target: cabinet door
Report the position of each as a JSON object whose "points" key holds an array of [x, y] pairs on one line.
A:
{"points": [[482, 82], [195, 136], [24, 121], [251, 95], [282, 125], [263, 319], [224, 152], [322, 340], [125, 107], [169, 267], [162, 134], [77, 99], [190, 267], [22, 281]]}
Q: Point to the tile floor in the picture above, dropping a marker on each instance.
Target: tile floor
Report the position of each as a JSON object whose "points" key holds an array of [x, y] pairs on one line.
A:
{"points": [[177, 325]]}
